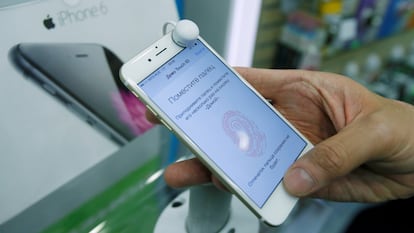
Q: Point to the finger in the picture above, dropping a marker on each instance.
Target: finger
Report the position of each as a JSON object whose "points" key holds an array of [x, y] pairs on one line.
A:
{"points": [[218, 183], [151, 117], [263, 80], [187, 173], [269, 81], [336, 157]]}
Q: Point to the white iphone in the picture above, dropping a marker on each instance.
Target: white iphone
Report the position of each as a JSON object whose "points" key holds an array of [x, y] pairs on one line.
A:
{"points": [[227, 124]]}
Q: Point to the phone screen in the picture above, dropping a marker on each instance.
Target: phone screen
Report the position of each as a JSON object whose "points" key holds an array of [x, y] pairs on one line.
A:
{"points": [[240, 133]]}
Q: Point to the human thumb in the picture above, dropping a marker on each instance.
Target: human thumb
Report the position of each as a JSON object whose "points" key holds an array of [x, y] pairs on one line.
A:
{"points": [[329, 160]]}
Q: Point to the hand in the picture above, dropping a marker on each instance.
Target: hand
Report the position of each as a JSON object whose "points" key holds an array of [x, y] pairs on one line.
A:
{"points": [[364, 143]]}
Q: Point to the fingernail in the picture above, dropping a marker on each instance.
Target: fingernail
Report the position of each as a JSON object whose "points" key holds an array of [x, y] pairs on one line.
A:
{"points": [[298, 182]]}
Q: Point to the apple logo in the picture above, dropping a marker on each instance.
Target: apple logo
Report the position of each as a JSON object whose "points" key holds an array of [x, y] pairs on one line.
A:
{"points": [[48, 23]]}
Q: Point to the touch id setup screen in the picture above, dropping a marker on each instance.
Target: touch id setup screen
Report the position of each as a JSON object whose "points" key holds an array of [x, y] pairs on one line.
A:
{"points": [[225, 119]]}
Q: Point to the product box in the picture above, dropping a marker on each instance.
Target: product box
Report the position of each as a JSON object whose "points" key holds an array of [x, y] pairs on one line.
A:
{"points": [[63, 107]]}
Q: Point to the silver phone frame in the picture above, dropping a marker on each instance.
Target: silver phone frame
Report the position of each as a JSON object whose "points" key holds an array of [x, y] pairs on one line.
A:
{"points": [[280, 203]]}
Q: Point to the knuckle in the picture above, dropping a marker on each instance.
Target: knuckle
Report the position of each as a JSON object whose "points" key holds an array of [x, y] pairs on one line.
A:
{"points": [[379, 125], [330, 157]]}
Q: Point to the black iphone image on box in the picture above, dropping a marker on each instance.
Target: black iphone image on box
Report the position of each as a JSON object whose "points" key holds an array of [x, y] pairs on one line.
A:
{"points": [[85, 77], [227, 124]]}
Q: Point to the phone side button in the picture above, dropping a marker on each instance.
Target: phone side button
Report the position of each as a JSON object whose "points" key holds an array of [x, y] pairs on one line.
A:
{"points": [[136, 95], [49, 88], [152, 110], [166, 125], [90, 120]]}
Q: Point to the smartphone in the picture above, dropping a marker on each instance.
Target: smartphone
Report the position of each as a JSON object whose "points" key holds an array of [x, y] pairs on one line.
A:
{"points": [[226, 123], [85, 77]]}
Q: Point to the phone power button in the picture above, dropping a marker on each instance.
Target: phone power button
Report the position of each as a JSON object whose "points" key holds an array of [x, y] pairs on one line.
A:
{"points": [[166, 125], [155, 114], [49, 88], [152, 110]]}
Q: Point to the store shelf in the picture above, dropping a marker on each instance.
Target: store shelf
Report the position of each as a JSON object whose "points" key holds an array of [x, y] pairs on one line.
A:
{"points": [[381, 48]]}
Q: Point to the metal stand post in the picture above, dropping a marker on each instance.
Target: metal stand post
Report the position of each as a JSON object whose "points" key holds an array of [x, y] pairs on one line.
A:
{"points": [[206, 209]]}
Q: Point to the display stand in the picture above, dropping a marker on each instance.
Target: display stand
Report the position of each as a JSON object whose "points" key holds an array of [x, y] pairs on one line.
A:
{"points": [[206, 209]]}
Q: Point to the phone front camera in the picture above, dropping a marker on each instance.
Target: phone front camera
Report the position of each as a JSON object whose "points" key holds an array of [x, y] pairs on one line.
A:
{"points": [[149, 59]]}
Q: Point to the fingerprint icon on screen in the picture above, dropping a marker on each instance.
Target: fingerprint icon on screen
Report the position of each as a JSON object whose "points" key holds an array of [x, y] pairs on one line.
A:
{"points": [[244, 133]]}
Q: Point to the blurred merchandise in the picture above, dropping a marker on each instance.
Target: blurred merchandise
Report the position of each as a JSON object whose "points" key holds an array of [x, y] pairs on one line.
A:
{"points": [[331, 26], [369, 41]]}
